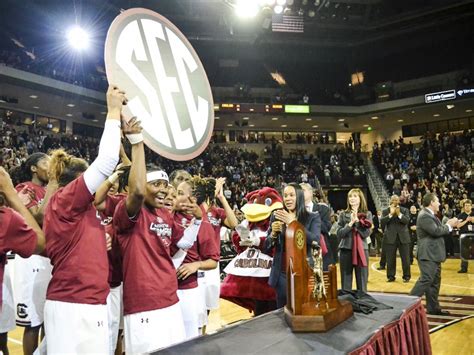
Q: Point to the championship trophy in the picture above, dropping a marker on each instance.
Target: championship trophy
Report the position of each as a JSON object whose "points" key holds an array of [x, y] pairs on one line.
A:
{"points": [[312, 304]]}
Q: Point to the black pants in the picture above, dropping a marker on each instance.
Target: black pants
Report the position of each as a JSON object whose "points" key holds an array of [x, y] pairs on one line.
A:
{"points": [[449, 245], [428, 284], [280, 290], [464, 252], [383, 255], [378, 242], [328, 259], [412, 245], [391, 250], [347, 269]]}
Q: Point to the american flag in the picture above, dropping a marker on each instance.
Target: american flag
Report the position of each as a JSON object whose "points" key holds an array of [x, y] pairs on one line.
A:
{"points": [[287, 23]]}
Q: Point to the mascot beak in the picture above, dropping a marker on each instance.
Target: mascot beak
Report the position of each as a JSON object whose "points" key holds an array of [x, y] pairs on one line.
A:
{"points": [[255, 212]]}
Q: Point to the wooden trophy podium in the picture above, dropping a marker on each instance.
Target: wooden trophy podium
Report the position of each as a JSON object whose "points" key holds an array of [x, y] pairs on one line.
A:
{"points": [[312, 304]]}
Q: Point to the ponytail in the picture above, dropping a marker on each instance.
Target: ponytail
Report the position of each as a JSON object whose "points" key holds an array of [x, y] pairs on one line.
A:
{"points": [[65, 167]]}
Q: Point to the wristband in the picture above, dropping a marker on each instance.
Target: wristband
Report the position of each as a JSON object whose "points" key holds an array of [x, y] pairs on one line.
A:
{"points": [[197, 222], [135, 138]]}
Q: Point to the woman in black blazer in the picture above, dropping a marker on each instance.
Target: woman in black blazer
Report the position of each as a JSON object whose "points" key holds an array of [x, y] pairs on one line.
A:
{"points": [[293, 199]]}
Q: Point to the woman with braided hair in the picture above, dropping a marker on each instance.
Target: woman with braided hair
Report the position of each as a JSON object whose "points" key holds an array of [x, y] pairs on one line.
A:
{"points": [[32, 275], [202, 255]]}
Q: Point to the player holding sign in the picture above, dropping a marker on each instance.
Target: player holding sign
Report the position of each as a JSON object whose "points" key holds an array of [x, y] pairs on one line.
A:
{"points": [[75, 313]]}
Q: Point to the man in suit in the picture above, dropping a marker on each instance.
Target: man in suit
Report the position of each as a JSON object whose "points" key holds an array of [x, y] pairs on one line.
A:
{"points": [[394, 224], [431, 252], [325, 214], [466, 225], [377, 234]]}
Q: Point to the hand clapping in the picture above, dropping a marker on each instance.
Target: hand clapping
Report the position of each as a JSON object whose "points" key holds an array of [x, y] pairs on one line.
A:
{"points": [[354, 218], [284, 216]]}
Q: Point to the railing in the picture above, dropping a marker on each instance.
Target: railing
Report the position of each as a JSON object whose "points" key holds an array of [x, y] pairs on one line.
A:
{"points": [[376, 185]]}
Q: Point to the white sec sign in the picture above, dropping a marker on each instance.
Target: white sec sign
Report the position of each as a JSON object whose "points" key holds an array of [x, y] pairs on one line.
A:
{"points": [[165, 82]]}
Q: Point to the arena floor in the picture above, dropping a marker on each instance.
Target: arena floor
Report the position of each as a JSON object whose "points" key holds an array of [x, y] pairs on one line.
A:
{"points": [[448, 334]]}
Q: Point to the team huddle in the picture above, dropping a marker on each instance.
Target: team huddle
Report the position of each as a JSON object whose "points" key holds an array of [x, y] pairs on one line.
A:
{"points": [[116, 247]]}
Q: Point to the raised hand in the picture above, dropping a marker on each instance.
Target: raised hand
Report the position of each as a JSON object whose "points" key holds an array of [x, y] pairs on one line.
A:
{"points": [[26, 195], [220, 187], [115, 100], [6, 184], [453, 222], [133, 126], [284, 216]]}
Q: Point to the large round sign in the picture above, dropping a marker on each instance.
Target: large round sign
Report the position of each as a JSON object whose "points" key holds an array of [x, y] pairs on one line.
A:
{"points": [[165, 82]]}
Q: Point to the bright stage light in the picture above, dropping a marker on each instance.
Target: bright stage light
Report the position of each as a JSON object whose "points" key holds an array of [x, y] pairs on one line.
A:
{"points": [[246, 8], [78, 38], [281, 2], [278, 9]]}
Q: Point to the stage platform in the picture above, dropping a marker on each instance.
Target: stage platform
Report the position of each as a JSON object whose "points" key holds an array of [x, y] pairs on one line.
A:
{"points": [[400, 330]]}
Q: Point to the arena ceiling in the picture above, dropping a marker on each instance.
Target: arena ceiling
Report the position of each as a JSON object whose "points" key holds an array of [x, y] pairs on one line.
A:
{"points": [[389, 40]]}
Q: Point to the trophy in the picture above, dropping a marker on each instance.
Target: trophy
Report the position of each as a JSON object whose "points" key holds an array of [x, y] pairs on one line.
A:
{"points": [[312, 304]]}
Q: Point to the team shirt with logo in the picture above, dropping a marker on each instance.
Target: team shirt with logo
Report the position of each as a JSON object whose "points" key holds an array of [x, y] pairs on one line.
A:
{"points": [[149, 277], [204, 248], [15, 236], [75, 243], [216, 217], [38, 192]]}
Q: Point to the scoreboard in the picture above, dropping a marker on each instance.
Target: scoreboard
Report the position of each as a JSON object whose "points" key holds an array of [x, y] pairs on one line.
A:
{"points": [[261, 108]]}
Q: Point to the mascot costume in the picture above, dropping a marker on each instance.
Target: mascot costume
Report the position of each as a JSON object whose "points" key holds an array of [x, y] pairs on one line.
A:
{"points": [[246, 283]]}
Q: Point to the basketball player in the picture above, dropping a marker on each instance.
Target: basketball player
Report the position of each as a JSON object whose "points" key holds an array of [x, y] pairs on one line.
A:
{"points": [[203, 255], [21, 234], [170, 198], [209, 281], [145, 232], [110, 193], [178, 176], [75, 308], [32, 275]]}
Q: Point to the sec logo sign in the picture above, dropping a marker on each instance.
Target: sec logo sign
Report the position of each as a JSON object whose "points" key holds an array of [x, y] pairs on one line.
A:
{"points": [[167, 87]]}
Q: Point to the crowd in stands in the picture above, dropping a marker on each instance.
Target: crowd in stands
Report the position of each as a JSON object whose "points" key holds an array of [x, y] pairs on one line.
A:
{"points": [[245, 170], [441, 163], [91, 77]]}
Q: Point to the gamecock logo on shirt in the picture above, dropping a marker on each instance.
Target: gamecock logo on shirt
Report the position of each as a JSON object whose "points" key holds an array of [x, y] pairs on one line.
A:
{"points": [[165, 82]]}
